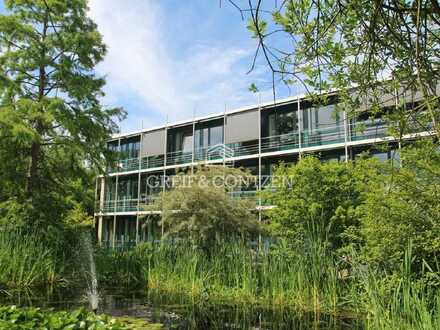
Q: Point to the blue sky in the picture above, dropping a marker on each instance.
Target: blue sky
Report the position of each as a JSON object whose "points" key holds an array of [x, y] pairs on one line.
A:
{"points": [[173, 57]]}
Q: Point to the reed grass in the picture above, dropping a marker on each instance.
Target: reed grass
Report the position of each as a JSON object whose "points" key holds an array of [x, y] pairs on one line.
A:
{"points": [[236, 274], [24, 261]]}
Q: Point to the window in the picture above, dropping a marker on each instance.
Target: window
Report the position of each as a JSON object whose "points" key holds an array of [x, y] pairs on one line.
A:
{"points": [[279, 121], [208, 136], [215, 135], [130, 149]]}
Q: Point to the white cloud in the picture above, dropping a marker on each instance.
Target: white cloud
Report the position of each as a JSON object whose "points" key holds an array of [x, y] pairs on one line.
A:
{"points": [[141, 63]]}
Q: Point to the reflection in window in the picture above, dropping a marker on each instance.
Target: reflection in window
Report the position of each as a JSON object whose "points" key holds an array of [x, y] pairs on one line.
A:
{"points": [[180, 140], [208, 136], [320, 118], [127, 188], [282, 122], [129, 149]]}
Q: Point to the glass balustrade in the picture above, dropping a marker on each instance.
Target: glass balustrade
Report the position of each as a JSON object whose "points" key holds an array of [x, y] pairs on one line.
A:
{"points": [[131, 205], [131, 164], [368, 130], [309, 138], [152, 161], [245, 194], [322, 136], [179, 157], [126, 205], [239, 149], [280, 142]]}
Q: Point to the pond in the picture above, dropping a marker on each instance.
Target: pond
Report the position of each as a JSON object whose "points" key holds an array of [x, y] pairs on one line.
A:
{"points": [[175, 313]]}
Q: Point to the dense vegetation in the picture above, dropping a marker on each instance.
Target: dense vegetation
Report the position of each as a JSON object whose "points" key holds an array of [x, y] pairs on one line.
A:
{"points": [[207, 215], [346, 238], [277, 278], [357, 238], [53, 129]]}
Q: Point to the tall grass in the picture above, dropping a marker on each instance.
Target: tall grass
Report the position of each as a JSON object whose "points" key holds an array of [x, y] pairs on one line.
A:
{"points": [[24, 261], [278, 279]]}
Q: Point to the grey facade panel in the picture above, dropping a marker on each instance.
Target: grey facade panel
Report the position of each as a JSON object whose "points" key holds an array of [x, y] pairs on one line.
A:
{"points": [[242, 127], [153, 143]]}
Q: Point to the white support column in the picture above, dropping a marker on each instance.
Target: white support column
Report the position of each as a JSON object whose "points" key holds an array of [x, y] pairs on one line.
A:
{"points": [[345, 135], [259, 166], [139, 187], [224, 137], [164, 168], [400, 136], [300, 124], [116, 199], [101, 180], [193, 141]]}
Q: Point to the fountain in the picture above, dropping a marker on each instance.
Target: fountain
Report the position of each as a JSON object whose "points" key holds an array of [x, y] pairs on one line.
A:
{"points": [[90, 273]]}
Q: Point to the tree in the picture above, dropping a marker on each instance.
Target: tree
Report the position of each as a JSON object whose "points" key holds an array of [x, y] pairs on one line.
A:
{"points": [[200, 208], [383, 48], [53, 127], [401, 206], [316, 202]]}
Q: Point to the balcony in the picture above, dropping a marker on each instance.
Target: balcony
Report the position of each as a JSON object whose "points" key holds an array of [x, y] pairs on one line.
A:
{"points": [[152, 162], [368, 130], [243, 150], [124, 205], [131, 205], [291, 141], [280, 142], [323, 136], [131, 164], [179, 157]]}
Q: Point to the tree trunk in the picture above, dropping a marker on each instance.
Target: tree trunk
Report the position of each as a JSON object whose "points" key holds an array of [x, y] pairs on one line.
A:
{"points": [[35, 152], [33, 169]]}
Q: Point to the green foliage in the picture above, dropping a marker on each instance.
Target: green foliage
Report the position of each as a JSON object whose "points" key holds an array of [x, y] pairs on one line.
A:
{"points": [[15, 318], [325, 45], [28, 260], [316, 202], [278, 278], [25, 261], [402, 205], [203, 212], [52, 123], [375, 208]]}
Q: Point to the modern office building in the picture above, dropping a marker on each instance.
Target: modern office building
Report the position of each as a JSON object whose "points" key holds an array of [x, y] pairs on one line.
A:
{"points": [[255, 137]]}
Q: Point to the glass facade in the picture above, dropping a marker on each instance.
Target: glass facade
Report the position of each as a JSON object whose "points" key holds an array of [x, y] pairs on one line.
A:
{"points": [[180, 139], [321, 125], [113, 146], [127, 187], [130, 148], [125, 234], [279, 121], [151, 186], [208, 134]]}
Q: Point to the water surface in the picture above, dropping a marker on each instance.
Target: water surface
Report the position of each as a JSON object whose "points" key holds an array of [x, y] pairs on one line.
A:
{"points": [[175, 313]]}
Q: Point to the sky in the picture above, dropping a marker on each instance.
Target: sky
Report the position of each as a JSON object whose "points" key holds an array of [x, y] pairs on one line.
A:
{"points": [[173, 59]]}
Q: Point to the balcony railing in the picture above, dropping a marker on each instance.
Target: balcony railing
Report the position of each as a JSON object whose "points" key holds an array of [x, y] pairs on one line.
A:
{"points": [[309, 138], [124, 205], [368, 130], [243, 150], [152, 161], [179, 157], [131, 205], [130, 164], [322, 136], [245, 194], [280, 142]]}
